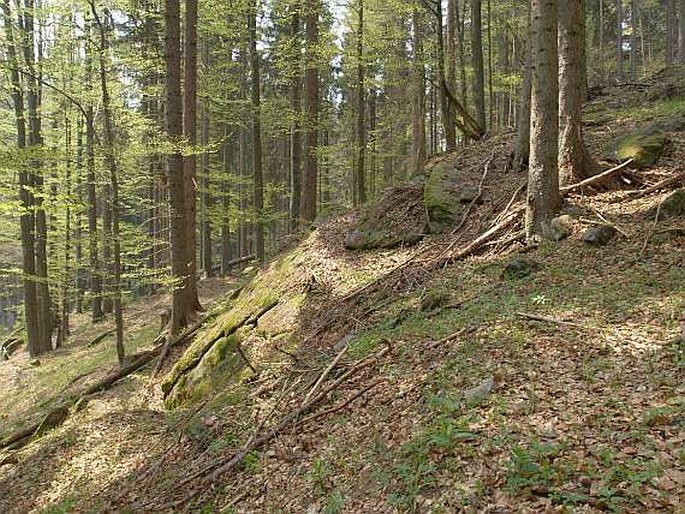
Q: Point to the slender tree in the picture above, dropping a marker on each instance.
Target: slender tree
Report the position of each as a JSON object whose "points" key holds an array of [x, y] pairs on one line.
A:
{"points": [[478, 69], [311, 109], [360, 175]]}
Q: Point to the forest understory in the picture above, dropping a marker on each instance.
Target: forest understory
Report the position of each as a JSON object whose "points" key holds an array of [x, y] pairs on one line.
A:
{"points": [[419, 378]]}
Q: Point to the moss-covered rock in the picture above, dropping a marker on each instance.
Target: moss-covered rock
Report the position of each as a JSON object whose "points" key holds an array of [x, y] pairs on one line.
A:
{"points": [[440, 198], [397, 218], [221, 364], [644, 147]]}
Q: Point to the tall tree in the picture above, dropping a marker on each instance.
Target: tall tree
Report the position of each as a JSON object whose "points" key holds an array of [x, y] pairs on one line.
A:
{"points": [[190, 160], [619, 40], [419, 96], [181, 309], [311, 109], [681, 32], [256, 134], [360, 176], [295, 126], [521, 151], [27, 218], [575, 162], [543, 177], [477, 55]]}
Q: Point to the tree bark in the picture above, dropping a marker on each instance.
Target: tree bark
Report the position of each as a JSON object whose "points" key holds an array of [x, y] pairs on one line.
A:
{"points": [[670, 31], [27, 219], [256, 136], [419, 97], [295, 126], [543, 179], [478, 71], [619, 40], [181, 308], [633, 39], [522, 144], [360, 181], [190, 161], [681, 32], [311, 109], [575, 162], [450, 73]]}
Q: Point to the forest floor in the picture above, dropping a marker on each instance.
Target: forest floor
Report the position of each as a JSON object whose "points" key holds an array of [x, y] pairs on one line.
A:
{"points": [[450, 398]]}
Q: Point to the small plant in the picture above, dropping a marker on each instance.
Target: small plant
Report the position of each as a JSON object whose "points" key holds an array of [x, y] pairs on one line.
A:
{"points": [[335, 502], [320, 476], [539, 299], [251, 462]]}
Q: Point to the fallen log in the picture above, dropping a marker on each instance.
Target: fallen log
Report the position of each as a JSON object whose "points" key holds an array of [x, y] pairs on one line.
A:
{"points": [[101, 337], [595, 178], [234, 262]]}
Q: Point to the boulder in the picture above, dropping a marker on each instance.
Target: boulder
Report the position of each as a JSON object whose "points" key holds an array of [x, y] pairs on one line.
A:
{"points": [[397, 218], [445, 196], [599, 235], [644, 147], [672, 205], [520, 267], [561, 227]]}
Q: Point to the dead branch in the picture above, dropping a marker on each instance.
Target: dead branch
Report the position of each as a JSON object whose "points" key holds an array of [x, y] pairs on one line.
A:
{"points": [[341, 406], [538, 317], [595, 178], [325, 373], [172, 341], [680, 177], [101, 337]]}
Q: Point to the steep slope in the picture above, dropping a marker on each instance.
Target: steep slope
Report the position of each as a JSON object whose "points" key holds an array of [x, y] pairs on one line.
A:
{"points": [[408, 378]]}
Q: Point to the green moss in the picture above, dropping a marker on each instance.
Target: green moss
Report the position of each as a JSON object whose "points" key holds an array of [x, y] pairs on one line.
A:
{"points": [[439, 200], [644, 148]]}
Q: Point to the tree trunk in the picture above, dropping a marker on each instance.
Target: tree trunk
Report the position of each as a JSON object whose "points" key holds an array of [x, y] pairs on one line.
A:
{"points": [[360, 192], [419, 97], [543, 178], [478, 71], [574, 161], [182, 309], [311, 109], [207, 200], [450, 73], [633, 39], [27, 219], [619, 40], [111, 165], [97, 313], [670, 31], [225, 205], [295, 126], [190, 161], [681, 32], [256, 136], [522, 144]]}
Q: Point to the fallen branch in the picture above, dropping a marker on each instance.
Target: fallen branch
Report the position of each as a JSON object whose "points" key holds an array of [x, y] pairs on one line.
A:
{"points": [[172, 341], [538, 317], [680, 177], [101, 337], [595, 178], [325, 373], [341, 406]]}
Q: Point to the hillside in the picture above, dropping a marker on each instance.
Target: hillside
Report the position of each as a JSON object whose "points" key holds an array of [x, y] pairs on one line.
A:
{"points": [[410, 374]]}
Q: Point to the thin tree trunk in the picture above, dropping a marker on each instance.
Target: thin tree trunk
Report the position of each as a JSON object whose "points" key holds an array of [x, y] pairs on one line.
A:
{"points": [[256, 136], [543, 178], [450, 72], [478, 72], [311, 109], [111, 165], [619, 40], [190, 161], [522, 144], [207, 200], [681, 32], [296, 126], [419, 97], [360, 191], [633, 39], [27, 219], [670, 31]]}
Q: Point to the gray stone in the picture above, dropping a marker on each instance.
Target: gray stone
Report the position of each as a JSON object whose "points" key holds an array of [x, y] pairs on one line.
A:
{"points": [[468, 194], [599, 235], [356, 240], [520, 267], [562, 227]]}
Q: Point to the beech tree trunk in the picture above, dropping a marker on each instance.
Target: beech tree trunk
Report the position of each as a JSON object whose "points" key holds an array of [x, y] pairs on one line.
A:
{"points": [[543, 179], [450, 72], [311, 109], [575, 163], [681, 32], [27, 218], [670, 31]]}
